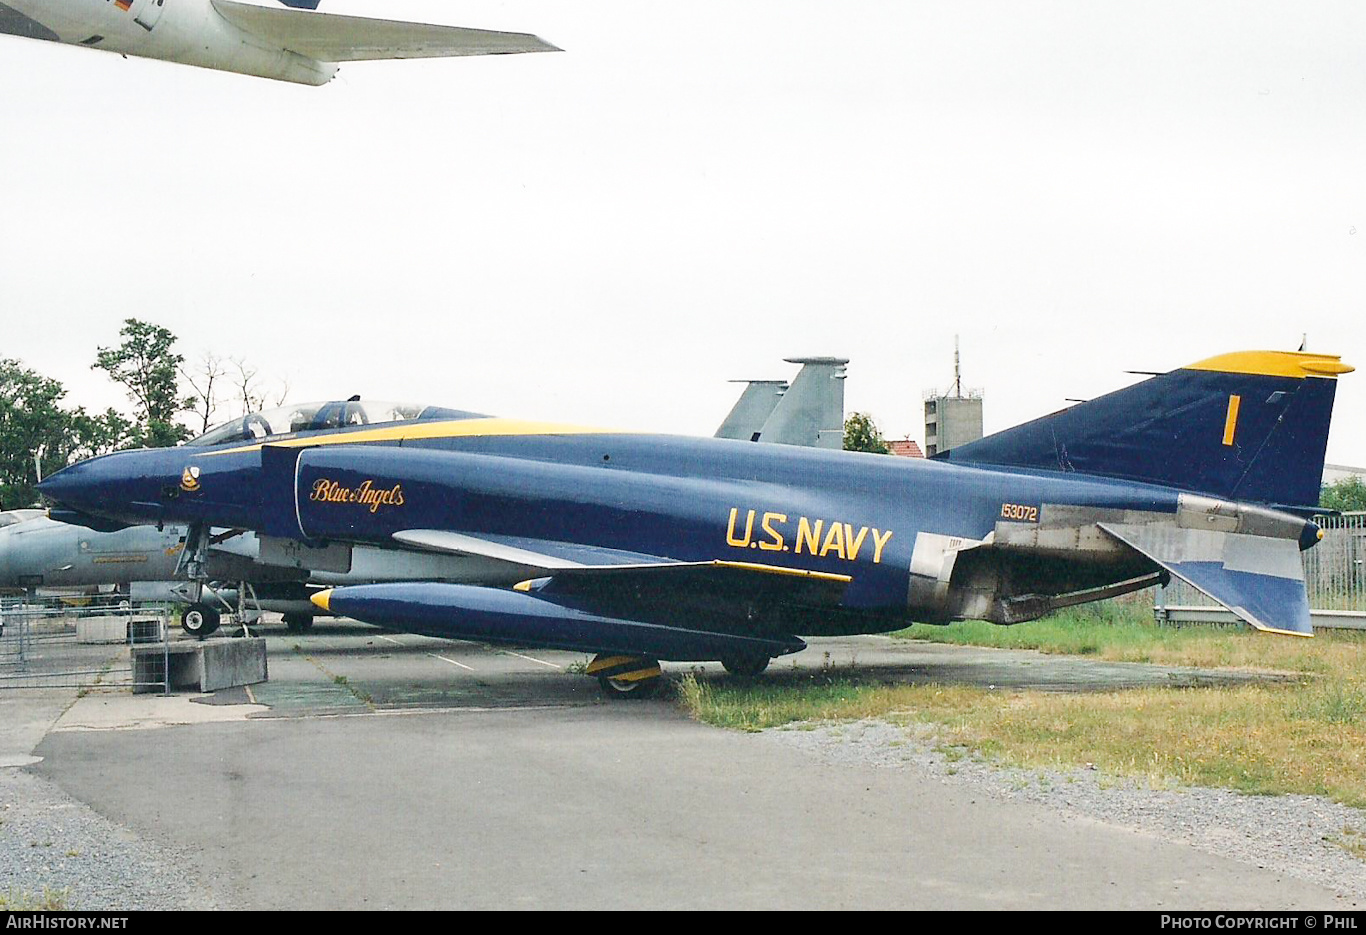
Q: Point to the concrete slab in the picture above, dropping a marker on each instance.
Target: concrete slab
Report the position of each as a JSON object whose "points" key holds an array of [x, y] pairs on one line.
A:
{"points": [[627, 806], [122, 711]]}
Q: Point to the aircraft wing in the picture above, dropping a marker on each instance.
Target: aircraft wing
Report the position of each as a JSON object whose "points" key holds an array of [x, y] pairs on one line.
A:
{"points": [[533, 554], [595, 600], [724, 583], [1258, 578], [598, 574], [327, 37]]}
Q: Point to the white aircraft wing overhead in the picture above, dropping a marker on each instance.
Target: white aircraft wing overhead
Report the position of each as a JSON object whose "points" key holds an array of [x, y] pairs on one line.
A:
{"points": [[329, 38]]}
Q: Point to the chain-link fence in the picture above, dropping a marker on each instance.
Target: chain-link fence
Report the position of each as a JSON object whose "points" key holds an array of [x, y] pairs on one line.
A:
{"points": [[55, 644]]}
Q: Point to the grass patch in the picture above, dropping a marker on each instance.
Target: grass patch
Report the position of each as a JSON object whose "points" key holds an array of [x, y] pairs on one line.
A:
{"points": [[48, 900], [1302, 736], [1124, 631], [1350, 840]]}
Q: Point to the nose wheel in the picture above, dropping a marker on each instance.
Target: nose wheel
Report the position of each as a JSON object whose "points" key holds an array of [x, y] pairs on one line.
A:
{"points": [[626, 676], [199, 620]]}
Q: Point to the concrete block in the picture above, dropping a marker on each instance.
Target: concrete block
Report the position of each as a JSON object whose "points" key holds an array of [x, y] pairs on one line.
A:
{"points": [[202, 666], [103, 629]]}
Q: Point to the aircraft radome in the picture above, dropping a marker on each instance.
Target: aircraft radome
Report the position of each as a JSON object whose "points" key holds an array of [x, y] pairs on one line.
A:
{"points": [[642, 548], [225, 35]]}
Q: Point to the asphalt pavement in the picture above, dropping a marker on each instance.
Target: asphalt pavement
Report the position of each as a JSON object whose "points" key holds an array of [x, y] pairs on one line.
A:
{"points": [[380, 770]]}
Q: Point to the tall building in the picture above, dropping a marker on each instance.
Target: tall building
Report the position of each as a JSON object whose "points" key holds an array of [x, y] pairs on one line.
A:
{"points": [[954, 417]]}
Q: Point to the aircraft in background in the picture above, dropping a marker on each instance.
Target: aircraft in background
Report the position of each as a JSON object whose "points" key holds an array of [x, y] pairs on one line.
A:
{"points": [[144, 561], [641, 548], [809, 411], [224, 35]]}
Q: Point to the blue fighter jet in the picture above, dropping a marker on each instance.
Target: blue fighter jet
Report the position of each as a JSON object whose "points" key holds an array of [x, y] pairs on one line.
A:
{"points": [[641, 548]]}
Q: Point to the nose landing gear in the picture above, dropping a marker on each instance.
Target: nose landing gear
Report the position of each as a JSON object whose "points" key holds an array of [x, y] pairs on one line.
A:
{"points": [[199, 620]]}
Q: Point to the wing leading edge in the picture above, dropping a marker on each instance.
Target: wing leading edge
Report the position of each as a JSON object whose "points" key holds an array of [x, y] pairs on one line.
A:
{"points": [[328, 37]]}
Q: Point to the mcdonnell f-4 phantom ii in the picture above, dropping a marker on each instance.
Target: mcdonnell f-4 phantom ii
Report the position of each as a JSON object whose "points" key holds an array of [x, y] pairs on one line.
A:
{"points": [[286, 45], [640, 548]]}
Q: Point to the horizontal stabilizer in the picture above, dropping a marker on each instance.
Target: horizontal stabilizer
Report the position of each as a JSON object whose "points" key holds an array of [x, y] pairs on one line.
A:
{"points": [[1258, 578], [326, 37]]}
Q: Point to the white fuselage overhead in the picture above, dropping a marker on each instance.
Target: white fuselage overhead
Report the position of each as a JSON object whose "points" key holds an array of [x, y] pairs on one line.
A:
{"points": [[190, 32]]}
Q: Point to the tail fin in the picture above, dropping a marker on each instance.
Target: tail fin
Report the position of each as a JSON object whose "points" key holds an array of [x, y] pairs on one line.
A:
{"points": [[1251, 425], [811, 412], [752, 409]]}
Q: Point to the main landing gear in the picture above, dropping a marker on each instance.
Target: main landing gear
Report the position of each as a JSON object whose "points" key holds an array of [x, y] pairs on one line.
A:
{"points": [[640, 677], [626, 676], [298, 623], [745, 665]]}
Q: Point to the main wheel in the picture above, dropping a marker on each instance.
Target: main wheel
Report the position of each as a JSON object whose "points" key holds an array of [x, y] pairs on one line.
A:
{"points": [[298, 623], [745, 665], [199, 620], [625, 688], [625, 676]]}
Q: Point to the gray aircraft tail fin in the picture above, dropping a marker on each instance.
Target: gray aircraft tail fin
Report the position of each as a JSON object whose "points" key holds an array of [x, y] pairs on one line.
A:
{"points": [[750, 412], [811, 412], [808, 412]]}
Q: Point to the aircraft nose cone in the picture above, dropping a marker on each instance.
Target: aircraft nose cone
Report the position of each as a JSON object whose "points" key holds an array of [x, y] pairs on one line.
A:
{"points": [[66, 485], [126, 485]]}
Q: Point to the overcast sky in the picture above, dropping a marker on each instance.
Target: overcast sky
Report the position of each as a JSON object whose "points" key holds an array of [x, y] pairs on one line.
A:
{"points": [[693, 191]]}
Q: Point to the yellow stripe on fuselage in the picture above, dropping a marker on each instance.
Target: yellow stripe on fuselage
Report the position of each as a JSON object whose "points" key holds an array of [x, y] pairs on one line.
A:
{"points": [[1275, 364], [404, 431], [779, 570], [1231, 420]]}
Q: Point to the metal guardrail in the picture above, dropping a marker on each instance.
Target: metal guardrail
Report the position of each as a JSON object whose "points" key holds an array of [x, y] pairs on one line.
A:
{"points": [[1320, 619], [54, 644]]}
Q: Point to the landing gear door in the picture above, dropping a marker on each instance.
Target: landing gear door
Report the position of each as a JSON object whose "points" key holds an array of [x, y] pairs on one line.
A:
{"points": [[146, 13]]}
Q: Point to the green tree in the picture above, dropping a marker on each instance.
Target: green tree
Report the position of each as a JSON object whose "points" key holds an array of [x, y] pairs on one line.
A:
{"points": [[1346, 494], [861, 434], [148, 367], [33, 423]]}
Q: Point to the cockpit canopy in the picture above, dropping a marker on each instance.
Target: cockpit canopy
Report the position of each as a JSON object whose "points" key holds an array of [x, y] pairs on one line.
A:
{"points": [[316, 417]]}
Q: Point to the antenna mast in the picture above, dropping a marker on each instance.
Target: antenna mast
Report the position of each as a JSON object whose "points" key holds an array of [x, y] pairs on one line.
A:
{"points": [[957, 373]]}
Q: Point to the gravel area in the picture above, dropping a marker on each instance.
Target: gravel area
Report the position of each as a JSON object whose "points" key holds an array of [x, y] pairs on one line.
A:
{"points": [[1292, 833], [50, 840]]}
